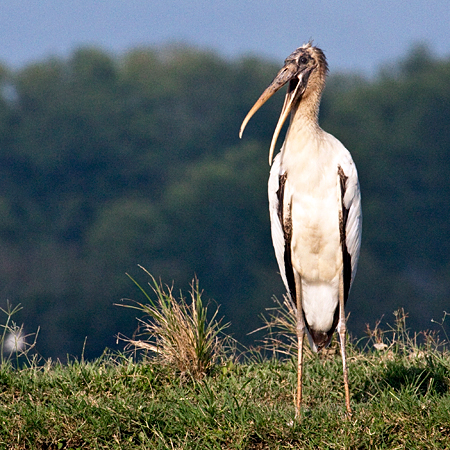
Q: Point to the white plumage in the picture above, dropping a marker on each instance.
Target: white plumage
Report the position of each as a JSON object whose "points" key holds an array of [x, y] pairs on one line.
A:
{"points": [[315, 207], [312, 196]]}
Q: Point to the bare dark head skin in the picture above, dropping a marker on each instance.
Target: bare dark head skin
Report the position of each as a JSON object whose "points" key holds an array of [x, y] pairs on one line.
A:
{"points": [[309, 66], [304, 70]]}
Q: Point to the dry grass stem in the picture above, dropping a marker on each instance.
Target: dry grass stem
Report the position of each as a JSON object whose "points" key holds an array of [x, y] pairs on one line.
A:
{"points": [[281, 338]]}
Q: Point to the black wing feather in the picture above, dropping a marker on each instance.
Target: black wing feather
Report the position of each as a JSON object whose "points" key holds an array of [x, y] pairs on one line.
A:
{"points": [[286, 225], [346, 257]]}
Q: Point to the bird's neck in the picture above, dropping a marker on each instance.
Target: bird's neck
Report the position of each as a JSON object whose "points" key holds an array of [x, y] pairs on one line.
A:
{"points": [[304, 117]]}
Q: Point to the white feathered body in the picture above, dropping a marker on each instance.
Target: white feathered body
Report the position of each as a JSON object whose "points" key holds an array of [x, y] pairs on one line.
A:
{"points": [[312, 205]]}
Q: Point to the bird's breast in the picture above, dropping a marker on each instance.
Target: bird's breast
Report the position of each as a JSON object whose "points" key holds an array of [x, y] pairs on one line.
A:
{"points": [[312, 195]]}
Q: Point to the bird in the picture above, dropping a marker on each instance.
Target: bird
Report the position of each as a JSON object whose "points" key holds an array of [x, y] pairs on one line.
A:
{"points": [[315, 209]]}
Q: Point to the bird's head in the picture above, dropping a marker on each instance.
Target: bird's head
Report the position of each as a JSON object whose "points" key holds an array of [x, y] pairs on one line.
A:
{"points": [[304, 70]]}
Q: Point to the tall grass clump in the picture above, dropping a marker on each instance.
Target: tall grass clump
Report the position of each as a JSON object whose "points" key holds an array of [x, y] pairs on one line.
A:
{"points": [[178, 333]]}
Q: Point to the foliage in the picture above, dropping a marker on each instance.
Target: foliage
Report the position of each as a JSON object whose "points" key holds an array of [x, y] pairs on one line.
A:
{"points": [[178, 333], [400, 398], [108, 162]]}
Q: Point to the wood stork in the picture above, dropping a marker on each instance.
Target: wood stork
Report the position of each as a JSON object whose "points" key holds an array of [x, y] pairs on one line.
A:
{"points": [[315, 208]]}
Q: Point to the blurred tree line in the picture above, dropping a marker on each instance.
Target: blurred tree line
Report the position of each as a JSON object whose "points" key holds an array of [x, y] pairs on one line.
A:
{"points": [[107, 163]]}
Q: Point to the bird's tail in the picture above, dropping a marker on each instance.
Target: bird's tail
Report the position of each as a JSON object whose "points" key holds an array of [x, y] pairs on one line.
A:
{"points": [[319, 339]]}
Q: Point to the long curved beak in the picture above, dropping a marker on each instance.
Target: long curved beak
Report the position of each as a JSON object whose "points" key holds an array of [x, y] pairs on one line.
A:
{"points": [[297, 87]]}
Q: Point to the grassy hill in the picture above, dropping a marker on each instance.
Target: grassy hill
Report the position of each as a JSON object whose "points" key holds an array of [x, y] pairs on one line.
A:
{"points": [[399, 401], [400, 391]]}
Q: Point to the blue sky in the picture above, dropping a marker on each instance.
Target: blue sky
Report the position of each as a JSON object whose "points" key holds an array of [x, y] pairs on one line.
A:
{"points": [[356, 35]]}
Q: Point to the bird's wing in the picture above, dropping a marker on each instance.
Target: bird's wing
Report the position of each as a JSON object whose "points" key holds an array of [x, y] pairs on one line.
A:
{"points": [[279, 235], [352, 219]]}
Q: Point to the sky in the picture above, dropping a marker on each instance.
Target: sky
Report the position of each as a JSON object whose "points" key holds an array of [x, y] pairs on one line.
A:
{"points": [[358, 36]]}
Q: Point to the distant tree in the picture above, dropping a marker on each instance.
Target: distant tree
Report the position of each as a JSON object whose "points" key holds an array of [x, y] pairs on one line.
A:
{"points": [[107, 163]]}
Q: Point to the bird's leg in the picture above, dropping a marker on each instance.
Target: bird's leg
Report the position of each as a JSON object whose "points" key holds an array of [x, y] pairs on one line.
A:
{"points": [[300, 337], [342, 332]]}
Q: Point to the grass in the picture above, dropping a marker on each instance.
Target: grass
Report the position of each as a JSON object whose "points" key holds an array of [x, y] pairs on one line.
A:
{"points": [[400, 391], [116, 403], [178, 333]]}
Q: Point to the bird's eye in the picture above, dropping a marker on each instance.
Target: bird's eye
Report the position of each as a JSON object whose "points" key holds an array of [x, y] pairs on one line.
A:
{"points": [[303, 60]]}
